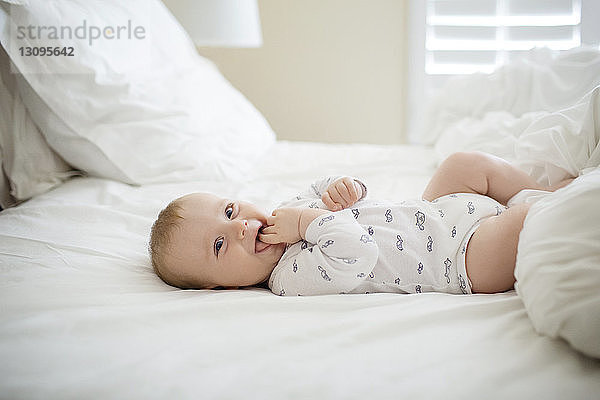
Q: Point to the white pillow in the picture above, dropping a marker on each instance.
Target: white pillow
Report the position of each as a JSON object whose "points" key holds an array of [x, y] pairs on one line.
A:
{"points": [[558, 264], [141, 109], [29, 165]]}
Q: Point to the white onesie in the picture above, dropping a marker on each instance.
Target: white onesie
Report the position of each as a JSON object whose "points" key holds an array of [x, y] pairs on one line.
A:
{"points": [[404, 247]]}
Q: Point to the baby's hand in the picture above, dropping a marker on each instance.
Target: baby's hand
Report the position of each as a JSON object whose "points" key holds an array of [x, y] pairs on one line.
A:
{"points": [[283, 226], [342, 193]]}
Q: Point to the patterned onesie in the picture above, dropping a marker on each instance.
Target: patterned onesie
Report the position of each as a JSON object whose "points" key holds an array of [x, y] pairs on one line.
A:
{"points": [[403, 247]]}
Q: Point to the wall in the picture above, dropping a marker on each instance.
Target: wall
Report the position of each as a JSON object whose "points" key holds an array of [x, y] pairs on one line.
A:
{"points": [[329, 70]]}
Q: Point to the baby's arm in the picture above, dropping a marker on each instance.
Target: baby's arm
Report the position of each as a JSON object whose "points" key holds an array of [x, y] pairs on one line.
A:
{"points": [[343, 193], [482, 173], [337, 254], [330, 191], [289, 224]]}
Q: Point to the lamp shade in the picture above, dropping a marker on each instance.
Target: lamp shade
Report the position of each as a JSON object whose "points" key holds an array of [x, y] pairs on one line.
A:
{"points": [[219, 23]]}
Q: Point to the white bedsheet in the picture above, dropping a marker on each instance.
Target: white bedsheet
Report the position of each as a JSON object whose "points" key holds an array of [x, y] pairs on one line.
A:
{"points": [[83, 316]]}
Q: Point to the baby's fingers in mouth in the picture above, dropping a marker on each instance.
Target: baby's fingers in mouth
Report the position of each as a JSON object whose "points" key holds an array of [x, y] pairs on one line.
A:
{"points": [[265, 230], [261, 244], [270, 239]]}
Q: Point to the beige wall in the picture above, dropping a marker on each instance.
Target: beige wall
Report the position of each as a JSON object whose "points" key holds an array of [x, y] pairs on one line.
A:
{"points": [[329, 70]]}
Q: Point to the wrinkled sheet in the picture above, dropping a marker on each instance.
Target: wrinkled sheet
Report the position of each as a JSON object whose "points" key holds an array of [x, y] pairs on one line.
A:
{"points": [[541, 113], [82, 315]]}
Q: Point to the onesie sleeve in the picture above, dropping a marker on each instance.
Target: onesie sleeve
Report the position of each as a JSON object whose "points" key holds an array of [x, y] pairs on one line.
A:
{"points": [[337, 256], [312, 196]]}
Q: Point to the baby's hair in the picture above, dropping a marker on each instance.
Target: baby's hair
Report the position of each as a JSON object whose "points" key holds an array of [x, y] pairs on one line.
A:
{"points": [[161, 240]]}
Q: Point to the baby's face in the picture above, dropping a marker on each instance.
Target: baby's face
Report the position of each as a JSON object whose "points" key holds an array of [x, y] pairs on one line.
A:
{"points": [[217, 243]]}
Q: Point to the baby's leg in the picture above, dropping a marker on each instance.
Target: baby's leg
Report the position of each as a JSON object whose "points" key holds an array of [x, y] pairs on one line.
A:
{"points": [[492, 251], [477, 172]]}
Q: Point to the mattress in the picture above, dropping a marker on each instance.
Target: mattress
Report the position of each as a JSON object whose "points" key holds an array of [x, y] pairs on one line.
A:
{"points": [[82, 315]]}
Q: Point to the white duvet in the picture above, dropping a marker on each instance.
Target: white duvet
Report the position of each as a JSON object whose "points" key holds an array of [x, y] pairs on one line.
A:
{"points": [[83, 316], [543, 114]]}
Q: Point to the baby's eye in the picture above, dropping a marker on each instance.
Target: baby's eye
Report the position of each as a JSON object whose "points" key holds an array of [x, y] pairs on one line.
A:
{"points": [[229, 210], [218, 245]]}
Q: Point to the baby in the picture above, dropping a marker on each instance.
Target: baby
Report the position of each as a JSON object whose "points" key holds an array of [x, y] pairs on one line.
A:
{"points": [[459, 238]]}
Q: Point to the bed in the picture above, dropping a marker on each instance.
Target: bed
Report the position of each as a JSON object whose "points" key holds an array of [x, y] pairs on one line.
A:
{"points": [[82, 315]]}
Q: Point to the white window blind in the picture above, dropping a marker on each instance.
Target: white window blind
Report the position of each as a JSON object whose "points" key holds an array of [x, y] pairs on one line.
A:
{"points": [[465, 36]]}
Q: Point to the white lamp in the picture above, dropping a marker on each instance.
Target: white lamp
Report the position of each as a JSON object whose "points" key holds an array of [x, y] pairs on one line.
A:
{"points": [[219, 23]]}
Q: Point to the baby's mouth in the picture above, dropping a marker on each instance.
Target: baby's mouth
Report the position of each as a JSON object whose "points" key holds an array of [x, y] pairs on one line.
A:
{"points": [[258, 245]]}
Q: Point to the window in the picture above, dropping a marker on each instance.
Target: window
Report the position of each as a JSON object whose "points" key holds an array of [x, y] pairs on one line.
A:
{"points": [[450, 37]]}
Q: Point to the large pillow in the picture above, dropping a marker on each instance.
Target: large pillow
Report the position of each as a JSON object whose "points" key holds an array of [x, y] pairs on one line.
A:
{"points": [[29, 165], [558, 264], [143, 107]]}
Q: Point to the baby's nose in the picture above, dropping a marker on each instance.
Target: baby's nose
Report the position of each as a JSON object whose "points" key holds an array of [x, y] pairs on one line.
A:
{"points": [[243, 228]]}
